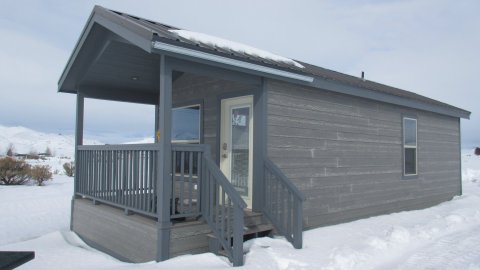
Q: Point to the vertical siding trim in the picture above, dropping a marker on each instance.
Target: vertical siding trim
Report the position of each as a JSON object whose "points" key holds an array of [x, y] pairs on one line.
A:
{"points": [[259, 145], [460, 192]]}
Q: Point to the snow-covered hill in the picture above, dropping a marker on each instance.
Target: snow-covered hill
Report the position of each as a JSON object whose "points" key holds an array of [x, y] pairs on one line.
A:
{"points": [[25, 140]]}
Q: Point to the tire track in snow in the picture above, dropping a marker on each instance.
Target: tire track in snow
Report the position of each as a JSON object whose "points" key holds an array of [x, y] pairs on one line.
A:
{"points": [[459, 250]]}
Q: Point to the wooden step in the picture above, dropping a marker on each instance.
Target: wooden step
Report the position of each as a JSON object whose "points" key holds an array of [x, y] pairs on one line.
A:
{"points": [[255, 225], [255, 229], [253, 218]]}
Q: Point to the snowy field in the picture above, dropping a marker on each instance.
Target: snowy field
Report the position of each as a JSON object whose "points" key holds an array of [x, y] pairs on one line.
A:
{"points": [[446, 236]]}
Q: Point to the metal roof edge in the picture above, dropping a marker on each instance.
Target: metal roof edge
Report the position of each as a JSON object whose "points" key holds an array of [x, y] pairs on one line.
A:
{"points": [[162, 46]]}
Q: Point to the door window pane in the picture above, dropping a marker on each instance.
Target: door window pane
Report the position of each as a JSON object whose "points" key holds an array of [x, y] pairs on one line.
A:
{"points": [[240, 149]]}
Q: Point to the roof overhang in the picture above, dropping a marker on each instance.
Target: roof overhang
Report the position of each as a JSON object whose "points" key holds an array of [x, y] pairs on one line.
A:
{"points": [[119, 28]]}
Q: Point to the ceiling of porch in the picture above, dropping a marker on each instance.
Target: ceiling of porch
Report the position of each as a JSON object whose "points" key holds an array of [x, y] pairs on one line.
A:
{"points": [[123, 66], [111, 68], [114, 69]]}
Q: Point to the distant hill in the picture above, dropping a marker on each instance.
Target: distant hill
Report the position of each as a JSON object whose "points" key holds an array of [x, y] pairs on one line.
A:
{"points": [[25, 140]]}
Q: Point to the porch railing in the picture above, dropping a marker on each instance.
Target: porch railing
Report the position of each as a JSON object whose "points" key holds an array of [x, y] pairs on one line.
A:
{"points": [[223, 211], [119, 175], [125, 176], [187, 170], [283, 204]]}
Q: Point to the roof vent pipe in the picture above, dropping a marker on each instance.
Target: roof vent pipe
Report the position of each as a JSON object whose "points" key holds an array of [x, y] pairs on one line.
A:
{"points": [[363, 76]]}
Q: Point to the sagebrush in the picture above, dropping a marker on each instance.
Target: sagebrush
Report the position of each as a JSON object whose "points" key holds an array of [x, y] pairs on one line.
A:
{"points": [[40, 173], [14, 172], [69, 168]]}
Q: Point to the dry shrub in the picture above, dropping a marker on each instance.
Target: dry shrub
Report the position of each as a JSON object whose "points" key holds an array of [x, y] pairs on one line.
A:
{"points": [[40, 173], [69, 168], [13, 172]]}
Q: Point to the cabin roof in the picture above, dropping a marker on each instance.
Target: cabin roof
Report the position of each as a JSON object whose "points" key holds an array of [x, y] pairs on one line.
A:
{"points": [[145, 33]]}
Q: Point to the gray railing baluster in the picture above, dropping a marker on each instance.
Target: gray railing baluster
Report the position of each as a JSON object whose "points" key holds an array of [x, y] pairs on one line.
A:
{"points": [[174, 180], [182, 180], [190, 181], [124, 177], [144, 195], [198, 182]]}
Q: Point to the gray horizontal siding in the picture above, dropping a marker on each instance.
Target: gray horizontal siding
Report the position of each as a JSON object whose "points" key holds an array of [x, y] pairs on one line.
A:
{"points": [[345, 153]]}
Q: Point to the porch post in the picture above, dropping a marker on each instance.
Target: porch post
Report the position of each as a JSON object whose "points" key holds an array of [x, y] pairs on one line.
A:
{"points": [[157, 128], [78, 141], [164, 179]]}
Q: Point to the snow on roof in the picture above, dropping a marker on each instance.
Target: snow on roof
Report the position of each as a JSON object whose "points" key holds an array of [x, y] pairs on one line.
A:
{"points": [[233, 46]]}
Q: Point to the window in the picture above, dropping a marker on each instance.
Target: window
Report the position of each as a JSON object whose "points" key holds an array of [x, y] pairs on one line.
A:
{"points": [[186, 124], [409, 146]]}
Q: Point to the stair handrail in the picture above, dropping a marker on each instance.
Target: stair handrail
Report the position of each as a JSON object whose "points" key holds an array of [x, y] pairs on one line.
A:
{"points": [[226, 185], [269, 164], [218, 200], [288, 221]]}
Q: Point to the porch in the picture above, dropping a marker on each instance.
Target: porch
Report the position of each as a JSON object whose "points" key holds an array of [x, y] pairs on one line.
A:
{"points": [[115, 207], [174, 182]]}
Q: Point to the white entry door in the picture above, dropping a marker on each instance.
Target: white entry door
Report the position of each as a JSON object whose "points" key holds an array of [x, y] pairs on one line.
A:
{"points": [[236, 140]]}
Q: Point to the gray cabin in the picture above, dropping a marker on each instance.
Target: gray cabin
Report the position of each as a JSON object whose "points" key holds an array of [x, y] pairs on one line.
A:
{"points": [[276, 147]]}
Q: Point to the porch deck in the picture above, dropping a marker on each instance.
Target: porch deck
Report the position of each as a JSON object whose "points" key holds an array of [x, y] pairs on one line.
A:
{"points": [[118, 197]]}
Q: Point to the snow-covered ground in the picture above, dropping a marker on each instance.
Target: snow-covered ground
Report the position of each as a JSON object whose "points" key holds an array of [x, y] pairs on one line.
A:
{"points": [[446, 236]]}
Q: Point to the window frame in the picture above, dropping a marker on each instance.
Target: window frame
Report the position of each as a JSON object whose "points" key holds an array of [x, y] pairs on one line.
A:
{"points": [[405, 146], [198, 104]]}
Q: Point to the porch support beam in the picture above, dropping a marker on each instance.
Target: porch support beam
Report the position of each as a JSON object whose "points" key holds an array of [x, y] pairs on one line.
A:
{"points": [[116, 94], [164, 161], [78, 141]]}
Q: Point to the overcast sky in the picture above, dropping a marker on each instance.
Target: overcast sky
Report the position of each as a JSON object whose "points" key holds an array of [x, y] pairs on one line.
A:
{"points": [[431, 47]]}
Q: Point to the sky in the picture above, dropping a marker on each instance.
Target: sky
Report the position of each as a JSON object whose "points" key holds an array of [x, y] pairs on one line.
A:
{"points": [[430, 47]]}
